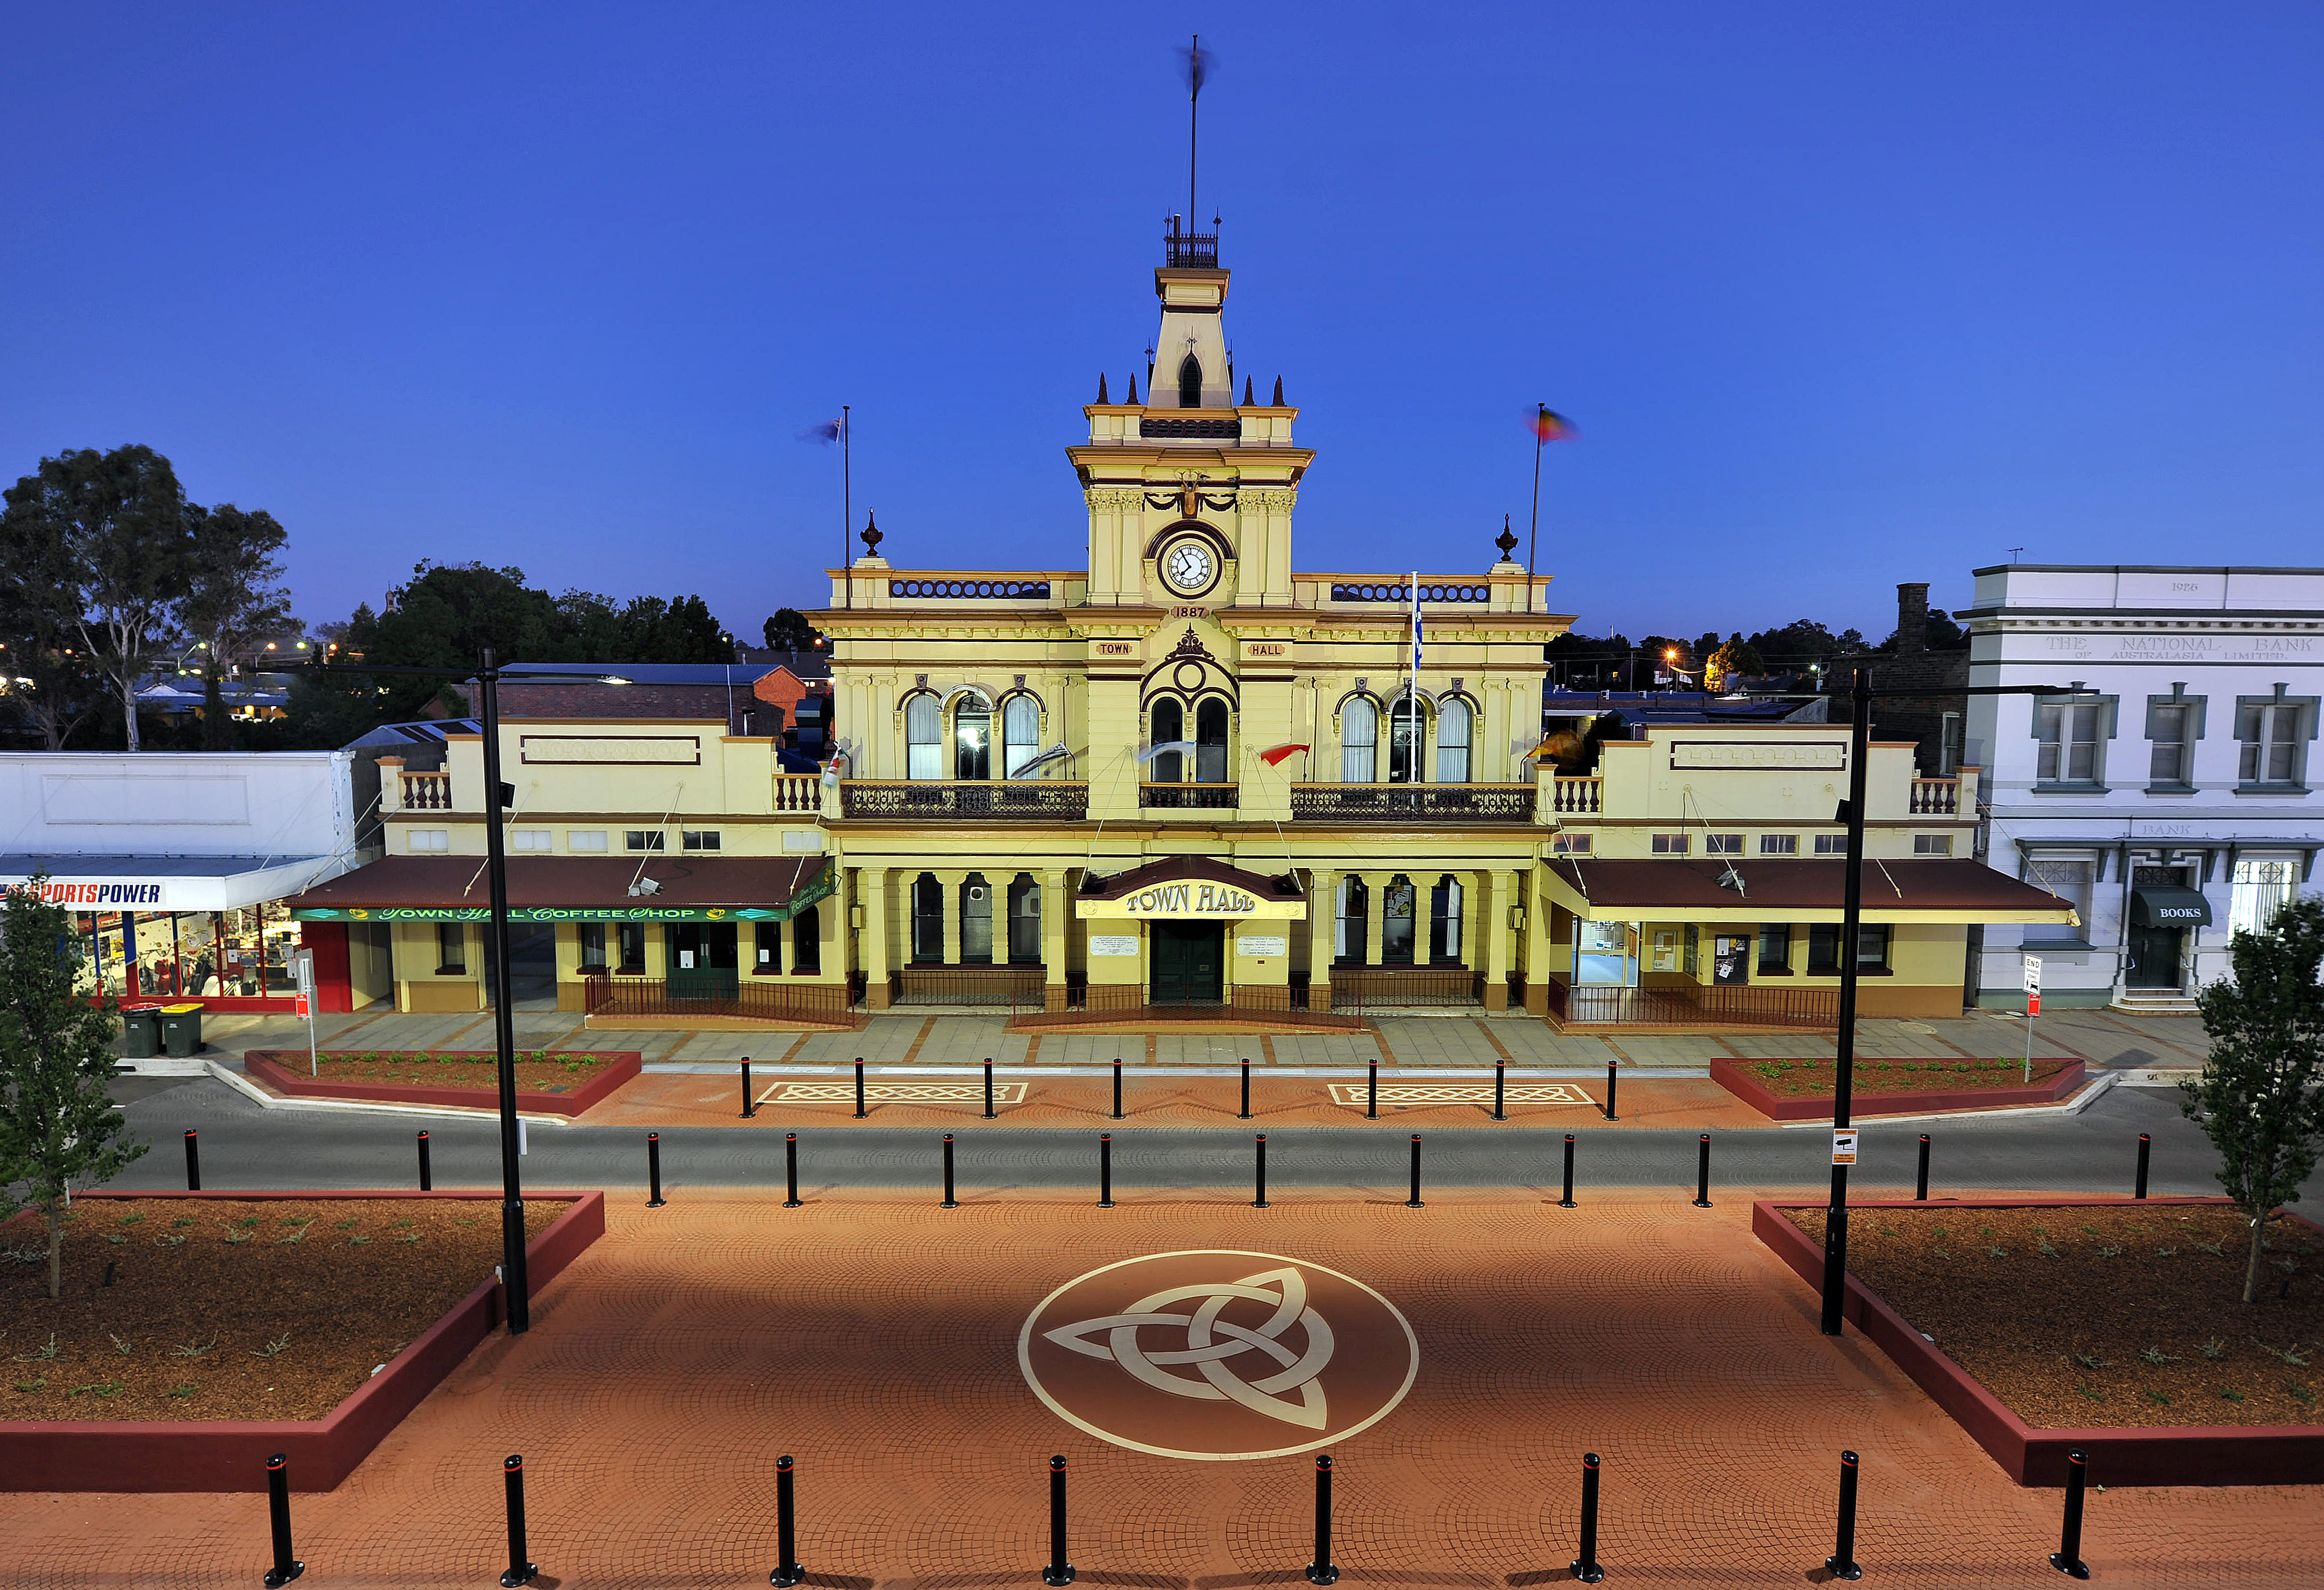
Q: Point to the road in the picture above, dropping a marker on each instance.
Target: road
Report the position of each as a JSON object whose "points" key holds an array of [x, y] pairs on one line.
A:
{"points": [[244, 1146]]}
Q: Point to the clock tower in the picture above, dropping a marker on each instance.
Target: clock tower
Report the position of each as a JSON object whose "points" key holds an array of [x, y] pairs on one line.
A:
{"points": [[1190, 492]]}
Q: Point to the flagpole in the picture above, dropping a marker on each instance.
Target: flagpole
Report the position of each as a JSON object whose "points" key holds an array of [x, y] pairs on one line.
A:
{"points": [[1533, 537], [848, 496], [1412, 694]]}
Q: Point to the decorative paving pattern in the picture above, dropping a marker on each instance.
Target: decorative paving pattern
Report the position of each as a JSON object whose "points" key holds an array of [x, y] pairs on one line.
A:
{"points": [[893, 1093], [1395, 1093]]}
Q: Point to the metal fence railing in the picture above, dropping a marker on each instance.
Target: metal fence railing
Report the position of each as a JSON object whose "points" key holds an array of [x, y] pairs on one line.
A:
{"points": [[768, 999], [1756, 1005]]}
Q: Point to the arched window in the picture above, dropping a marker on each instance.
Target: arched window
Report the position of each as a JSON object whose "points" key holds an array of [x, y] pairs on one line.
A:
{"points": [[1453, 722], [1397, 921], [1349, 931], [1025, 921], [806, 940], [1210, 741], [1020, 733], [976, 921], [1169, 724], [1359, 741], [1403, 744], [1444, 922], [971, 739], [923, 738], [927, 919], [1190, 383]]}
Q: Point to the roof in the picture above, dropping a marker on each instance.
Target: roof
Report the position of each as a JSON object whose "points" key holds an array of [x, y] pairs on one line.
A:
{"points": [[641, 673], [803, 664], [578, 889], [427, 731], [1669, 889]]}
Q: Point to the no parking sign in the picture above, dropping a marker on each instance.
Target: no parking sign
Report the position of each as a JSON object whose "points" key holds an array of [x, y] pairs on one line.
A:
{"points": [[2033, 985]]}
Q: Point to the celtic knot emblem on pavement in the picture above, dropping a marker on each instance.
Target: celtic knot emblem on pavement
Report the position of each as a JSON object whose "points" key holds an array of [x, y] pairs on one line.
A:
{"points": [[1216, 1347]]}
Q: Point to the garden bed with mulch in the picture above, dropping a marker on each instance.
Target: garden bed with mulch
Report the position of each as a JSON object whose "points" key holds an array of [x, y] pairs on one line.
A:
{"points": [[548, 1082], [2110, 1324], [1801, 1090], [195, 1328]]}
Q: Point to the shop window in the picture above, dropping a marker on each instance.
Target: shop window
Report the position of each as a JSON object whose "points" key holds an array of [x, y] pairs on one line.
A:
{"points": [[1605, 954], [1831, 844], [807, 941], [2275, 732], [1359, 741], [1670, 844], [927, 920], [1396, 924], [1020, 734], [923, 736], [2071, 740], [1351, 925], [1169, 727], [451, 949], [1933, 844], [975, 920], [428, 838], [769, 959], [529, 841], [1823, 949], [648, 840], [591, 935], [1023, 921], [631, 939], [1722, 844], [1444, 922], [1405, 725], [584, 840], [2258, 890], [972, 739], [1453, 727], [2074, 883], [1211, 740], [699, 839], [1775, 949]]}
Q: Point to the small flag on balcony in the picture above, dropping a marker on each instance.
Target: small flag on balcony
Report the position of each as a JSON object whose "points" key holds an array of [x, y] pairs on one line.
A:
{"points": [[830, 430], [1185, 747], [1274, 756], [1056, 753], [1550, 425]]}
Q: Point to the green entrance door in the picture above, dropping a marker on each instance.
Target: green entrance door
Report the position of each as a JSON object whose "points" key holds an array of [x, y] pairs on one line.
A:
{"points": [[1189, 961], [703, 963], [2153, 957]]}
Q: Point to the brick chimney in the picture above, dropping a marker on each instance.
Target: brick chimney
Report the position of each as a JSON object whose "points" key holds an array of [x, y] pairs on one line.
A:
{"points": [[1911, 617]]}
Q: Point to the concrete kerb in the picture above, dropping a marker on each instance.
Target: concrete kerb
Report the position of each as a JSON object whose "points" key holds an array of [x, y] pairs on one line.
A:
{"points": [[2075, 1106], [232, 1076]]}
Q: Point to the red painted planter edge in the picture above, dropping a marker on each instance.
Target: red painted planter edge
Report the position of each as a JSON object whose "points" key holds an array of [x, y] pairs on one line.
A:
{"points": [[223, 1455], [2195, 1455], [1734, 1076], [264, 1065]]}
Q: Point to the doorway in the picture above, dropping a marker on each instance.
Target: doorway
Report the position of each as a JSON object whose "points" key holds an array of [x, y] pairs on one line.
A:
{"points": [[2153, 957], [1189, 961], [532, 965], [703, 961]]}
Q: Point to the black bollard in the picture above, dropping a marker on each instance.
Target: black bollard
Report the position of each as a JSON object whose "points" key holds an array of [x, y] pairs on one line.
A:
{"points": [[1105, 1170], [1566, 1200], [788, 1571], [193, 1163], [988, 1090], [1586, 1568], [520, 1571], [859, 1086], [1244, 1114], [1117, 1087], [950, 1202], [1324, 1570], [1920, 1176], [750, 1105], [278, 1511], [1260, 1201], [1500, 1074], [1841, 1563], [1702, 1173], [790, 1170], [653, 1170], [2068, 1558], [1059, 1571], [1371, 1090], [426, 1171], [2146, 1148], [1613, 1077], [1414, 1202]]}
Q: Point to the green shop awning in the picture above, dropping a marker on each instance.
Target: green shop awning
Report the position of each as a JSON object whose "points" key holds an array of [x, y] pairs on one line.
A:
{"points": [[2168, 905], [557, 888]]}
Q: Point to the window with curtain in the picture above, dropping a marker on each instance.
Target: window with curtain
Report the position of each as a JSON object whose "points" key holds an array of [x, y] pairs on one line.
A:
{"points": [[1444, 922], [1025, 921], [1169, 724], [923, 738], [1020, 733], [2260, 888], [976, 921], [1210, 741], [1190, 382], [1359, 741], [1405, 725], [927, 920], [972, 739], [1454, 730], [1348, 927]]}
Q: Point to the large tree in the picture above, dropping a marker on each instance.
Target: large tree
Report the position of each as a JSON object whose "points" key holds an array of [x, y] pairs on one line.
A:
{"points": [[59, 1126], [46, 677], [787, 630], [115, 524], [231, 600], [2260, 1098]]}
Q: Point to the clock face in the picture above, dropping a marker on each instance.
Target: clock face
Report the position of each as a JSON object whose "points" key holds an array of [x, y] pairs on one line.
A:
{"points": [[1188, 566]]}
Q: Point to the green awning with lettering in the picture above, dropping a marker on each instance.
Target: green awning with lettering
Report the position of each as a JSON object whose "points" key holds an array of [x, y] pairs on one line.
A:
{"points": [[2168, 905]]}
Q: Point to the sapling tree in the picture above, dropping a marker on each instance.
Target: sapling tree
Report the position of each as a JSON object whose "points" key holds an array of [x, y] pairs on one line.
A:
{"points": [[59, 1126], [2260, 1098]]}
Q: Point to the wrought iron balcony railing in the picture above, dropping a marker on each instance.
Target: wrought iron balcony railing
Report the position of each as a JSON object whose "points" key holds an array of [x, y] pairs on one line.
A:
{"points": [[1412, 802], [922, 800]]}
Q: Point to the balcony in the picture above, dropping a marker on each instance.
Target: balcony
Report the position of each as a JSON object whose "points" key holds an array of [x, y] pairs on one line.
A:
{"points": [[425, 792], [1936, 797], [800, 792], [1412, 802], [937, 800], [1188, 798], [1577, 797]]}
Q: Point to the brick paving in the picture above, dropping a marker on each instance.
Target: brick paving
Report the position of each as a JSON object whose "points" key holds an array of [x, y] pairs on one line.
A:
{"points": [[876, 1340]]}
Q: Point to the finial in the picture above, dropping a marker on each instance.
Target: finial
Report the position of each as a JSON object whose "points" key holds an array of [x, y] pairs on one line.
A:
{"points": [[869, 535], [1245, 391], [1279, 391], [1102, 398], [1133, 388], [1507, 540]]}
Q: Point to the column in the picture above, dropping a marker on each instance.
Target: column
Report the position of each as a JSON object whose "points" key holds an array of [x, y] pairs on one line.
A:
{"points": [[1322, 914], [872, 939], [1056, 908], [1538, 914], [950, 883], [1498, 895], [1375, 914]]}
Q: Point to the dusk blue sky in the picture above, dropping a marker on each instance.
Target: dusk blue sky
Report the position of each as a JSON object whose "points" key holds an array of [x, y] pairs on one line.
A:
{"points": [[1839, 295]]}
